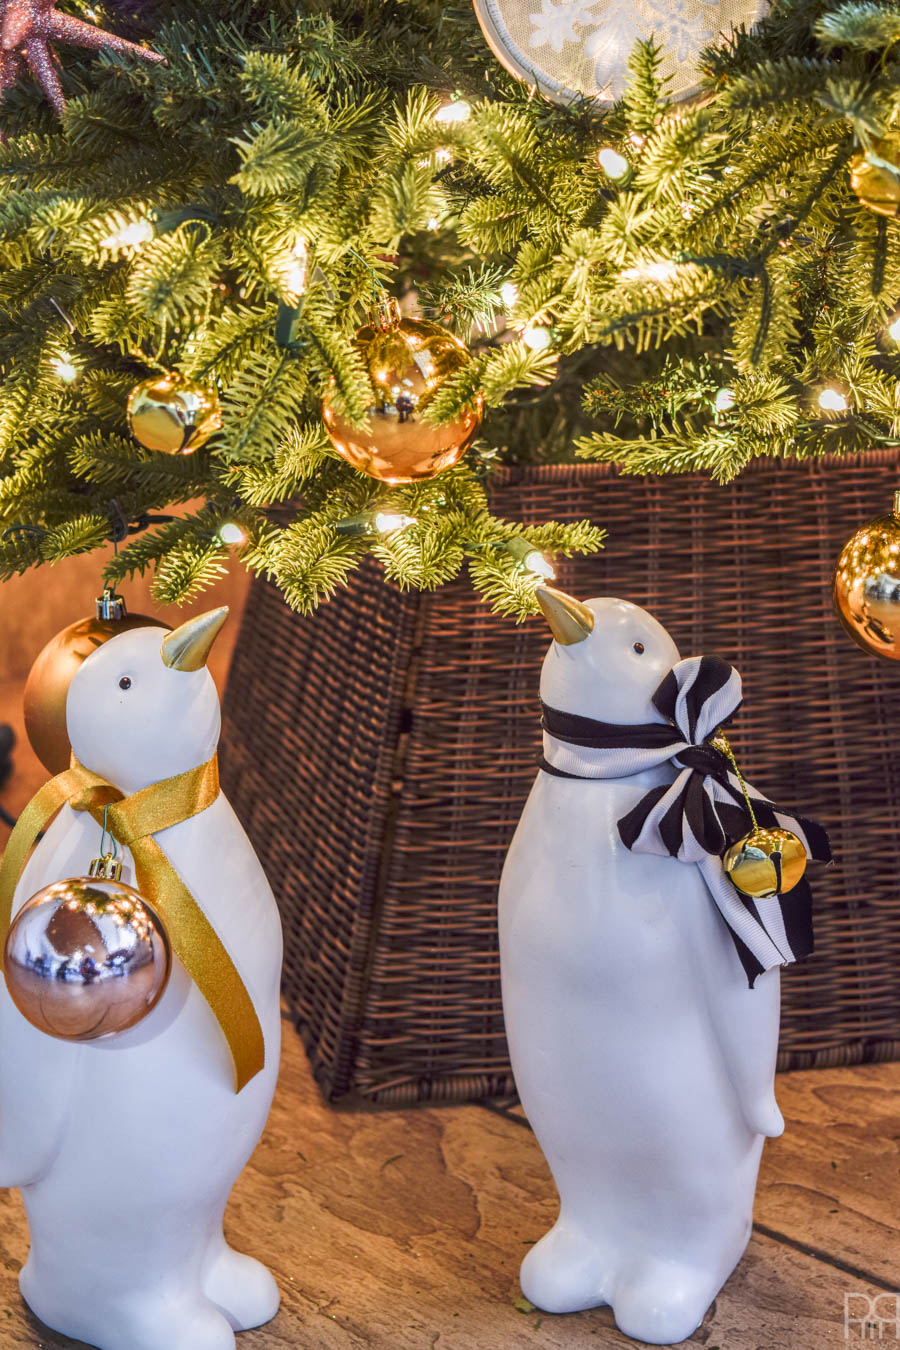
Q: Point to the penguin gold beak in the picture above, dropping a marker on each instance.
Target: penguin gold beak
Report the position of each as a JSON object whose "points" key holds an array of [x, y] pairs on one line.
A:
{"points": [[188, 646], [570, 621]]}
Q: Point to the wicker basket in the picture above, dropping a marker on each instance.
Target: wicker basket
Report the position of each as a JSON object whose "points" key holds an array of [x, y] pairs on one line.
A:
{"points": [[380, 752]]}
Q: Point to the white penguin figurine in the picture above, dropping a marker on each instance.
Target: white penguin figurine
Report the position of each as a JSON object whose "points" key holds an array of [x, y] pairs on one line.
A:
{"points": [[644, 1061], [126, 1149]]}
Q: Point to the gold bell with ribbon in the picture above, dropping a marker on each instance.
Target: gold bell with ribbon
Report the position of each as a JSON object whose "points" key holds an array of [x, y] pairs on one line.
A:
{"points": [[766, 863], [87, 957]]}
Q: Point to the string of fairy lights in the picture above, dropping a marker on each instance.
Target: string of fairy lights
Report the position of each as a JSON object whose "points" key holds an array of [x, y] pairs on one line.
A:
{"points": [[292, 277], [619, 170]]}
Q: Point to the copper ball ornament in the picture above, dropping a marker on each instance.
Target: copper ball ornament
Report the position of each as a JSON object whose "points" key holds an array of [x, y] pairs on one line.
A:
{"points": [[408, 360], [766, 862], [86, 958], [173, 414], [47, 686], [875, 176], [867, 585]]}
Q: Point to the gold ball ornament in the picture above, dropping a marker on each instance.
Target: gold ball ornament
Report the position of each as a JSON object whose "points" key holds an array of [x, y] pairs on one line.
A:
{"points": [[875, 176], [408, 361], [766, 862], [867, 585], [47, 686], [87, 957], [173, 414]]}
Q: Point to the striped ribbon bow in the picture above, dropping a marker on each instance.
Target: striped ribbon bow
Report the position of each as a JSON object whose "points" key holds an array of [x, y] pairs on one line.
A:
{"points": [[696, 817]]}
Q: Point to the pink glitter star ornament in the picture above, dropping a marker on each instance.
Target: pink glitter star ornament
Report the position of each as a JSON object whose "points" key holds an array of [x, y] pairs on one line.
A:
{"points": [[28, 27]]}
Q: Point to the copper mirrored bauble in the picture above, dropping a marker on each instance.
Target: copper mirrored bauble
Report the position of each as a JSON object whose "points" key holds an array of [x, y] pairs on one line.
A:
{"points": [[49, 678], [173, 414], [86, 958], [875, 176], [867, 586], [766, 862], [408, 361]]}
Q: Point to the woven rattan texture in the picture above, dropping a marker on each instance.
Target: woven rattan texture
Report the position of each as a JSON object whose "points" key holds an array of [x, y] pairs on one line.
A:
{"points": [[380, 753]]}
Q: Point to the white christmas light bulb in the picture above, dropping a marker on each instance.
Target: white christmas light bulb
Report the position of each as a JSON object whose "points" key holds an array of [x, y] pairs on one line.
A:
{"points": [[453, 113], [894, 330], [295, 276], [541, 567], [612, 163], [536, 337], [724, 400], [63, 367], [386, 522], [509, 294], [832, 400], [231, 533], [133, 235]]}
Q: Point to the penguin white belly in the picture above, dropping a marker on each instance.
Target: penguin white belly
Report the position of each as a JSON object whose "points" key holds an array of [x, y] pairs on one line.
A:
{"points": [[126, 1188], [617, 972]]}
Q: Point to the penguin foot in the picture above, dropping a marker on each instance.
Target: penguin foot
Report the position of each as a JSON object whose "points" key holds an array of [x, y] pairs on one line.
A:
{"points": [[564, 1272], [662, 1302], [242, 1288], [164, 1322]]}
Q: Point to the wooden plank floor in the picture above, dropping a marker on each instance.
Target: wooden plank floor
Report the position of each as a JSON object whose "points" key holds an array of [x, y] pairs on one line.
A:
{"points": [[403, 1230]]}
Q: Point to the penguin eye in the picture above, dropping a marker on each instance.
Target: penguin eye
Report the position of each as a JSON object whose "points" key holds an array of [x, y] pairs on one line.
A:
{"points": [[125, 682], [639, 648]]}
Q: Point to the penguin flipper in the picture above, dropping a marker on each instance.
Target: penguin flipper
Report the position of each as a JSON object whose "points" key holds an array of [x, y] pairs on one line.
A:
{"points": [[37, 1077], [745, 1025], [37, 1072]]}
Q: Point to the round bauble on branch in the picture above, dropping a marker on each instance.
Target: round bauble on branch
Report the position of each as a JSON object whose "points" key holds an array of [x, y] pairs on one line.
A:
{"points": [[580, 49], [173, 414], [875, 176], [48, 681], [408, 361], [87, 957], [867, 585]]}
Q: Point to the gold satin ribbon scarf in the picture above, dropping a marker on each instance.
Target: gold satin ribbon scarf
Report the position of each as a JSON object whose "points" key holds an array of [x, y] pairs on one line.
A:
{"points": [[133, 821]]}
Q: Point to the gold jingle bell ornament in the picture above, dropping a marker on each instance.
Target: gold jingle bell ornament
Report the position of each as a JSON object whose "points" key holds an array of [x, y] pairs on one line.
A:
{"points": [[867, 585], [173, 414], [769, 860], [408, 361], [48, 681], [766, 862], [875, 176], [87, 957]]}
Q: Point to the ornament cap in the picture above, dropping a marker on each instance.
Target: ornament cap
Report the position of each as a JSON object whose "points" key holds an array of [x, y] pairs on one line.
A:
{"points": [[107, 867], [111, 607], [386, 315], [570, 621], [188, 647]]}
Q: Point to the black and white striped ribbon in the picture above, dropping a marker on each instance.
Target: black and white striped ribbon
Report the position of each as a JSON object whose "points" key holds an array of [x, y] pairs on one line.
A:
{"points": [[702, 812]]}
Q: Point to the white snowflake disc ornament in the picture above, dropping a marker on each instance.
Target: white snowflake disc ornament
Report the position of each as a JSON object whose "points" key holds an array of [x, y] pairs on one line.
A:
{"points": [[572, 48]]}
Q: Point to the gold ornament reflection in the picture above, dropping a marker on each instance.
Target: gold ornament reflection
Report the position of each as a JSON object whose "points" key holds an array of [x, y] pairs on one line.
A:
{"points": [[173, 414], [875, 176], [408, 361], [867, 585], [766, 862]]}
